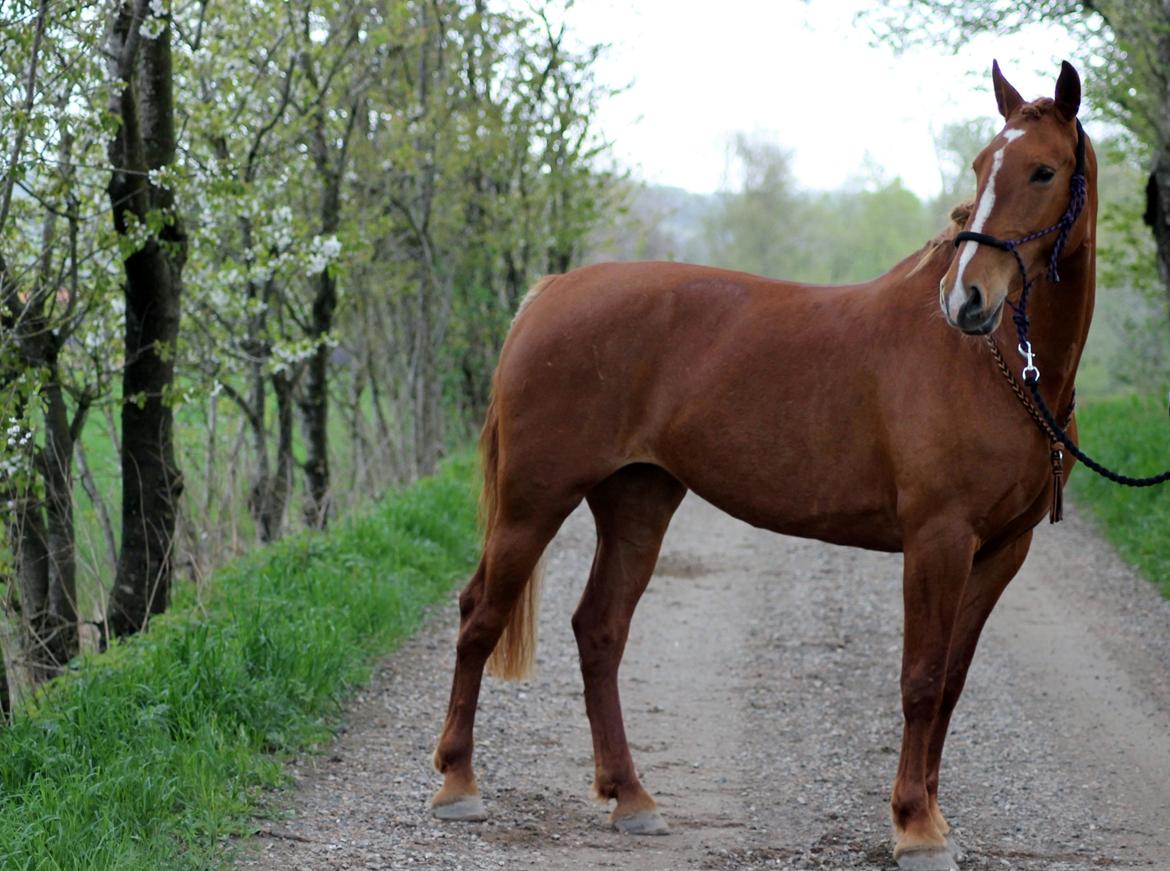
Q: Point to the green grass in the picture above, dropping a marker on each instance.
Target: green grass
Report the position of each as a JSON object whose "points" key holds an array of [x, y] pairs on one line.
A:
{"points": [[1132, 435], [152, 755]]}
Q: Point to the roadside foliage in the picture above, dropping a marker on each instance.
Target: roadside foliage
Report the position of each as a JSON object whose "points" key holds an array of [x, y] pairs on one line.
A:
{"points": [[256, 260]]}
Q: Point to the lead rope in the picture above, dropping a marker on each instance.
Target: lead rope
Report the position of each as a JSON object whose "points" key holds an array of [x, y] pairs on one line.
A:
{"points": [[1057, 434], [1055, 445]]}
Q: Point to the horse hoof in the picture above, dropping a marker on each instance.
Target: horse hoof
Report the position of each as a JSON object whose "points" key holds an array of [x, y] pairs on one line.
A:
{"points": [[935, 859], [465, 809], [641, 823], [956, 850]]}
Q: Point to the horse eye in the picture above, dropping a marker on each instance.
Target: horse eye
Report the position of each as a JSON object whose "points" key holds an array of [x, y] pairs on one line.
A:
{"points": [[1043, 174]]}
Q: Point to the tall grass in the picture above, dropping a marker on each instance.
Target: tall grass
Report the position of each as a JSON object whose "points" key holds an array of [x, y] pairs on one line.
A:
{"points": [[1132, 435], [149, 756]]}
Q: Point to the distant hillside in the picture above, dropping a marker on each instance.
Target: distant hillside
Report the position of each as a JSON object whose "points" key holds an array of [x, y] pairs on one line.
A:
{"points": [[659, 223]]}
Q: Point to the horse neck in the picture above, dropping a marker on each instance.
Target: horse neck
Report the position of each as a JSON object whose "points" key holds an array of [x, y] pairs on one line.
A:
{"points": [[1060, 314]]}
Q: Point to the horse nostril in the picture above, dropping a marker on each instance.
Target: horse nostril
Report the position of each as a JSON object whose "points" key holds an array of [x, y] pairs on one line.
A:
{"points": [[972, 309]]}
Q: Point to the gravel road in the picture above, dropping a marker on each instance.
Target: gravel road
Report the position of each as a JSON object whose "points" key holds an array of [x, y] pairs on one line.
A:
{"points": [[761, 695]]}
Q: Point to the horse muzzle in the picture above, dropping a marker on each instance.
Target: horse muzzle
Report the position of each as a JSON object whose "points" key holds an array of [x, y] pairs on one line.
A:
{"points": [[970, 316]]}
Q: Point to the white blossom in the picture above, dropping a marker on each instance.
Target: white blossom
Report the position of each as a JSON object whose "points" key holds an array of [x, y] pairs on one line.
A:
{"points": [[17, 435], [163, 176], [281, 227], [322, 252], [151, 27], [260, 273]]}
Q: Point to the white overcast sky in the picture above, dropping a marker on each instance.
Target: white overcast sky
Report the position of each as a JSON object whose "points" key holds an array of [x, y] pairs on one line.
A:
{"points": [[804, 75]]}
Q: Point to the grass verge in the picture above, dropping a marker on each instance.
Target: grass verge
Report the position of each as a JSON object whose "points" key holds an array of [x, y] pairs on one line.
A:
{"points": [[153, 754], [1132, 435]]}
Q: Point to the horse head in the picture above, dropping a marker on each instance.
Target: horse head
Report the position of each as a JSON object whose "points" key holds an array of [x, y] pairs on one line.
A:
{"points": [[1026, 207]]}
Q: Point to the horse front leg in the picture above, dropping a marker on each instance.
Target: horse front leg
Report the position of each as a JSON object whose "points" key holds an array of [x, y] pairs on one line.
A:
{"points": [[936, 567], [992, 571]]}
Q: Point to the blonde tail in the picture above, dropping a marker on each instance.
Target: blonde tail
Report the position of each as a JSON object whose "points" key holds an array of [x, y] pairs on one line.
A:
{"points": [[515, 652]]}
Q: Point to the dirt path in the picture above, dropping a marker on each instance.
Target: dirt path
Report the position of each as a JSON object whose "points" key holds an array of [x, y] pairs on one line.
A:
{"points": [[760, 689]]}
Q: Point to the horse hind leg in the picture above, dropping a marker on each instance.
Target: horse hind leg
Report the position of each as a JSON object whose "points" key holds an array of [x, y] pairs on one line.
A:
{"points": [[632, 509], [511, 555]]}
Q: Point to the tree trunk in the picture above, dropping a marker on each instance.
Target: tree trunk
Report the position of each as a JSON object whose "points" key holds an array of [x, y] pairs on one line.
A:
{"points": [[314, 402], [315, 405], [57, 459], [5, 695], [270, 492], [1158, 213], [151, 483], [31, 550], [256, 415], [43, 536]]}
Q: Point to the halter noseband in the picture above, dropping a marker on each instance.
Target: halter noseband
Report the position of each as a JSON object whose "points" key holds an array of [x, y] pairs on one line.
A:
{"points": [[1062, 228]]}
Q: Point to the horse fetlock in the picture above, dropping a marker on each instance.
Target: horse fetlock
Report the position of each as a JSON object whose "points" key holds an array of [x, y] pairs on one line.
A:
{"points": [[921, 837], [453, 755], [916, 827], [603, 790], [623, 786], [909, 807]]}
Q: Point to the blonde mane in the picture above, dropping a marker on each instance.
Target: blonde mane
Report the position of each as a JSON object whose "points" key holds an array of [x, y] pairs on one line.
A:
{"points": [[960, 215]]}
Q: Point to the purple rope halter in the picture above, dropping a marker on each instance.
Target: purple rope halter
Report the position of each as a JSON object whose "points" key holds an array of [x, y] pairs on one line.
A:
{"points": [[1031, 375], [1061, 228]]}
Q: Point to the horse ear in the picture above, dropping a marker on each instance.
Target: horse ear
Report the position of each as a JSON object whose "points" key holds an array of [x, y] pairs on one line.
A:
{"points": [[1068, 91], [1006, 97]]}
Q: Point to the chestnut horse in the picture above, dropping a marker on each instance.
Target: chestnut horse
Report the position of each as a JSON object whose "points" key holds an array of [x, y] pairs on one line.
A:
{"points": [[859, 415]]}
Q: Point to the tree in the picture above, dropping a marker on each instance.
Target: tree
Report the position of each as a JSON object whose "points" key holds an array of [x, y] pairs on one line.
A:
{"points": [[346, 203], [49, 288], [155, 246], [242, 237]]}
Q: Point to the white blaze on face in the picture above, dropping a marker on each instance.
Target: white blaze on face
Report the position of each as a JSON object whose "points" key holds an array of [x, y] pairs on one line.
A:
{"points": [[982, 213]]}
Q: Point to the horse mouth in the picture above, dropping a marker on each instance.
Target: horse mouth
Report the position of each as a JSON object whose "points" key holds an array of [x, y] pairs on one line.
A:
{"points": [[986, 326]]}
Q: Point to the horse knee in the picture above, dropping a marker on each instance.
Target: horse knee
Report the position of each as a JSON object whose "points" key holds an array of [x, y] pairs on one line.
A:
{"points": [[922, 691], [908, 803]]}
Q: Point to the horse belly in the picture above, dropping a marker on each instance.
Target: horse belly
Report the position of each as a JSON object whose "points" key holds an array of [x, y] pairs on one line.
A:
{"points": [[788, 483]]}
